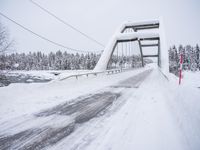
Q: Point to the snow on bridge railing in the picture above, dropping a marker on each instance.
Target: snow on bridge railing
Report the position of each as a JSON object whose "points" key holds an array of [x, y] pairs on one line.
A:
{"points": [[112, 71]]}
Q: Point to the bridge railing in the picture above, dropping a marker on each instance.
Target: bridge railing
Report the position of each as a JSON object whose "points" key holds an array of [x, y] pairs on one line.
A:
{"points": [[95, 73]]}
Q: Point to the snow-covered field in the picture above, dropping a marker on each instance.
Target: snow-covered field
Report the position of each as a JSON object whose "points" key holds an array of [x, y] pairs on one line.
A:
{"points": [[154, 114]]}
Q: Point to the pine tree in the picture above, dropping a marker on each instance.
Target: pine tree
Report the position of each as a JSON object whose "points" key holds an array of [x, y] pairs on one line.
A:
{"points": [[197, 50], [58, 60]]}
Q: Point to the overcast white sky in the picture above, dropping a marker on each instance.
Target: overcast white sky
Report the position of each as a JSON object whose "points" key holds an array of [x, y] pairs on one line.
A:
{"points": [[97, 18]]}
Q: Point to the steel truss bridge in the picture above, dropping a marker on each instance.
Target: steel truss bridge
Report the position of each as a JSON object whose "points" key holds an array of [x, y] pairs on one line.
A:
{"points": [[148, 34]]}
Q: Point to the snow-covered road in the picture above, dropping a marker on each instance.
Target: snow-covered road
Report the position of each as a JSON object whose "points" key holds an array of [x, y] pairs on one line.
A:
{"points": [[144, 123], [39, 131], [138, 109]]}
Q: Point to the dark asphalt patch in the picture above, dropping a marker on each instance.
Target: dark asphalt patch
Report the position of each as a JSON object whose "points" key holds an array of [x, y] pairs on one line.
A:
{"points": [[35, 139], [7, 141], [79, 104], [92, 110]]}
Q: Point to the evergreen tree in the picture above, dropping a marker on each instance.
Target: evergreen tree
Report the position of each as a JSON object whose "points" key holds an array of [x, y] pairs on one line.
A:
{"points": [[197, 50]]}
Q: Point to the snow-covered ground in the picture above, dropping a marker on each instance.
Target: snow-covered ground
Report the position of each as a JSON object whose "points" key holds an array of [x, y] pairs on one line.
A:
{"points": [[191, 79], [154, 114], [185, 107], [23, 99], [32, 76], [158, 115]]}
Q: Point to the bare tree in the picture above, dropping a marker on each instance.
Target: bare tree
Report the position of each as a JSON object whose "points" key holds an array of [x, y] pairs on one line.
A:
{"points": [[5, 42], [5, 46]]}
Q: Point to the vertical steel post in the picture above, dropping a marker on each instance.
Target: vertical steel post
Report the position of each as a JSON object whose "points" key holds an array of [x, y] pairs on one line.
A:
{"points": [[159, 60], [141, 52]]}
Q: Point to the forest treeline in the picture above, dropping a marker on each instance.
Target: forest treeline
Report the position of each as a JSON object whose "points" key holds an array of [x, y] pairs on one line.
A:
{"points": [[67, 61], [62, 61], [191, 58], [52, 61]]}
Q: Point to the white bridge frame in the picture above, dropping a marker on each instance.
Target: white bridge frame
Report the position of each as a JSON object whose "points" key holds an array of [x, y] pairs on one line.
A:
{"points": [[121, 36]]}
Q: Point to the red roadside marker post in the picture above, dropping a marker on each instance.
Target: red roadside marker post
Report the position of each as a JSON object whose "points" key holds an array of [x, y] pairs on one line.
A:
{"points": [[180, 69]]}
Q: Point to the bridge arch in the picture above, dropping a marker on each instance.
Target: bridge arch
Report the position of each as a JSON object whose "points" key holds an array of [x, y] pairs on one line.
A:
{"points": [[121, 36]]}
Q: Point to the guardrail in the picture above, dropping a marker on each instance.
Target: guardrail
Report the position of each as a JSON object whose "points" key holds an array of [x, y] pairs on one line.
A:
{"points": [[112, 71]]}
